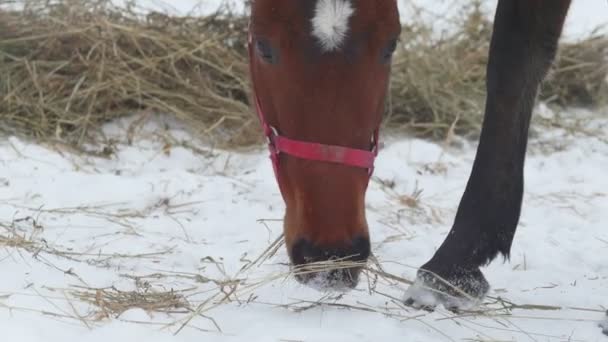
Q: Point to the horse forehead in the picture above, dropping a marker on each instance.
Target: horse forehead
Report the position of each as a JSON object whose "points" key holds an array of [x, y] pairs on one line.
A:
{"points": [[331, 22]]}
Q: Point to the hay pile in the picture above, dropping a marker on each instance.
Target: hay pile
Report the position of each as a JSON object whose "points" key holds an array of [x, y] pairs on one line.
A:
{"points": [[438, 85], [68, 66]]}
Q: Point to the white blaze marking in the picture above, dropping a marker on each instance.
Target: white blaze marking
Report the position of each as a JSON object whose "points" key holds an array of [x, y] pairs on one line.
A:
{"points": [[330, 24]]}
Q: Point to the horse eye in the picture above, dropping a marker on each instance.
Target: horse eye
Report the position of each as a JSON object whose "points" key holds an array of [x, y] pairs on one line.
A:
{"points": [[266, 52], [389, 50]]}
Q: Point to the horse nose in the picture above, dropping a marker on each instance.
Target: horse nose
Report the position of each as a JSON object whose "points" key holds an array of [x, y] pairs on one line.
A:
{"points": [[330, 267]]}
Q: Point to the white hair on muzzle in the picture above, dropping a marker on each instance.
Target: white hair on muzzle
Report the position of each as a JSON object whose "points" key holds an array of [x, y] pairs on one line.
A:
{"points": [[330, 23]]}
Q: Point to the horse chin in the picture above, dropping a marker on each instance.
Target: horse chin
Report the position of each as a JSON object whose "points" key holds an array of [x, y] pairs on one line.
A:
{"points": [[337, 280]]}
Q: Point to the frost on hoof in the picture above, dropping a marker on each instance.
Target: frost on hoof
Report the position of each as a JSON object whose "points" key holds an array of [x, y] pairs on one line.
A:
{"points": [[463, 292], [332, 281], [421, 296]]}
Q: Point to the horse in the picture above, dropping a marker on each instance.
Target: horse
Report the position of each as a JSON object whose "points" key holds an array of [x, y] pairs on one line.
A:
{"points": [[319, 73]]}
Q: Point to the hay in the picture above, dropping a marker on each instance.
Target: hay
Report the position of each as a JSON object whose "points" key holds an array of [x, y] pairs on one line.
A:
{"points": [[580, 78], [112, 302], [438, 85], [69, 66]]}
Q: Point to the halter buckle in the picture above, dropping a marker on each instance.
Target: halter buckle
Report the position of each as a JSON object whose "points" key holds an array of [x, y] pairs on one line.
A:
{"points": [[270, 133]]}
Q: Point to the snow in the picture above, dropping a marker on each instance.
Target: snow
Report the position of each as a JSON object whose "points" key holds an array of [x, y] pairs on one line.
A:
{"points": [[156, 218], [168, 214], [420, 296]]}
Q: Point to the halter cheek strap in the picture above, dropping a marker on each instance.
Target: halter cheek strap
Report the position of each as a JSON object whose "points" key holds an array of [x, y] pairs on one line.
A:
{"points": [[278, 144]]}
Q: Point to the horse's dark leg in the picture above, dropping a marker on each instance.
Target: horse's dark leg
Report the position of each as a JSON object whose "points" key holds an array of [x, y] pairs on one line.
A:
{"points": [[524, 44], [604, 325]]}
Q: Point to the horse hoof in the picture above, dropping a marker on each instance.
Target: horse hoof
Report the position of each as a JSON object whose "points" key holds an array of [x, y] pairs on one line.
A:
{"points": [[456, 291]]}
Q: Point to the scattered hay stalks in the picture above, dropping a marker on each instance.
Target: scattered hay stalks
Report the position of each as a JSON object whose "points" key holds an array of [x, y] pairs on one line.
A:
{"points": [[18, 242], [180, 307], [111, 302], [69, 66]]}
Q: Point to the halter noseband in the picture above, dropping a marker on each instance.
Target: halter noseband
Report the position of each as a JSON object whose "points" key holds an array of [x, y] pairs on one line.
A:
{"points": [[278, 144]]}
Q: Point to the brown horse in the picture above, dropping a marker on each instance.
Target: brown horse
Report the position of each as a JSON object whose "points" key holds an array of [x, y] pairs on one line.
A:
{"points": [[320, 70]]}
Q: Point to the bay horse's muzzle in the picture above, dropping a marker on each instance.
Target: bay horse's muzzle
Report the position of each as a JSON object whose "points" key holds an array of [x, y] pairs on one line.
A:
{"points": [[335, 268]]}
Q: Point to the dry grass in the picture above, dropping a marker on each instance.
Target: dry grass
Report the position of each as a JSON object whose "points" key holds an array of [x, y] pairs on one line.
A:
{"points": [[111, 302], [580, 78], [70, 66], [438, 85]]}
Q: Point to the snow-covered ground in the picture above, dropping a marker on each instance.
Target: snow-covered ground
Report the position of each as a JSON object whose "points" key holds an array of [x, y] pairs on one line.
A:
{"points": [[167, 219], [167, 240]]}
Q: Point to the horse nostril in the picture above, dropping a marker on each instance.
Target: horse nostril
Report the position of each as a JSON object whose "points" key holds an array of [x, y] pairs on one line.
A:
{"points": [[361, 249], [302, 251], [304, 254]]}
